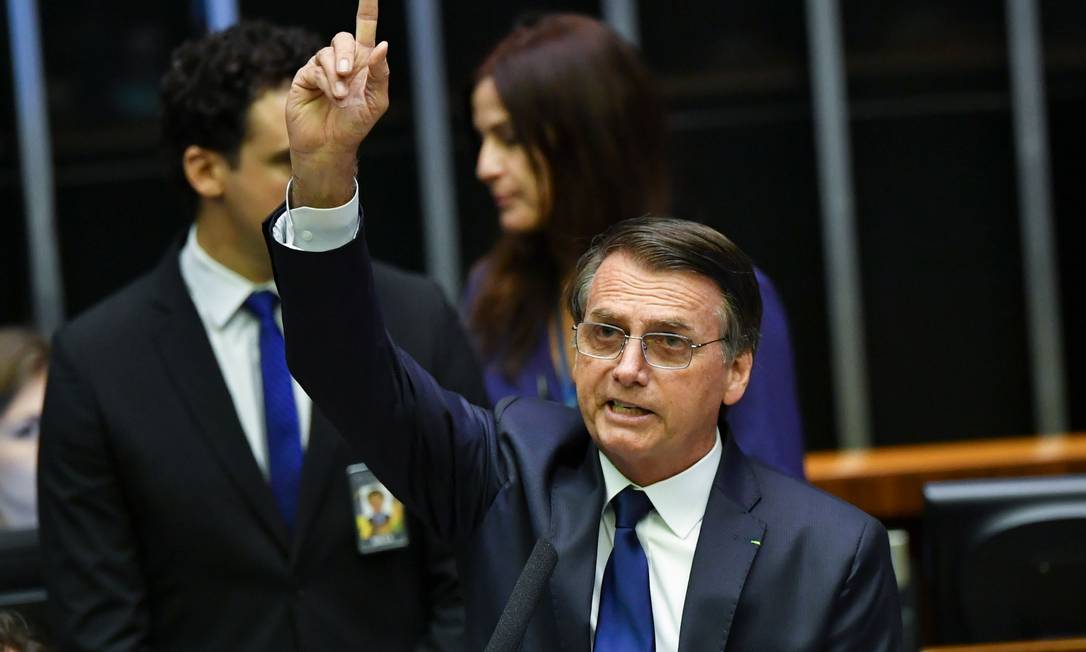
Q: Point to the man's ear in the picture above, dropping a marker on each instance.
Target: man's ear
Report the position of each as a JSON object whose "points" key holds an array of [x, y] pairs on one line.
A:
{"points": [[738, 378], [205, 170]]}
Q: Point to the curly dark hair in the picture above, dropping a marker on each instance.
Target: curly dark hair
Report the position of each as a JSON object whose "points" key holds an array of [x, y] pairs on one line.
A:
{"points": [[213, 80]]}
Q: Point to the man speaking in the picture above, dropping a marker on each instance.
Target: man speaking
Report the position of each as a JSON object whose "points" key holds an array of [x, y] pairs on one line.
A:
{"points": [[667, 536]]}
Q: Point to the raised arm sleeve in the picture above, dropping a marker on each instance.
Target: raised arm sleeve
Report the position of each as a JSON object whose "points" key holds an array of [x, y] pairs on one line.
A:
{"points": [[431, 447]]}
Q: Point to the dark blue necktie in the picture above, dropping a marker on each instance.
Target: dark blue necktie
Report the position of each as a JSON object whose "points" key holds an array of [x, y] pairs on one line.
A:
{"points": [[280, 412], [625, 622]]}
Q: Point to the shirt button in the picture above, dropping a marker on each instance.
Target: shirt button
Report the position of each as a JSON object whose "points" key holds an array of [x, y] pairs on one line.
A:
{"points": [[307, 235]]}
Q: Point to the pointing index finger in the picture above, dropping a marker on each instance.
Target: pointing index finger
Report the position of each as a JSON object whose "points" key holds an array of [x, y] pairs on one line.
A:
{"points": [[365, 30]]}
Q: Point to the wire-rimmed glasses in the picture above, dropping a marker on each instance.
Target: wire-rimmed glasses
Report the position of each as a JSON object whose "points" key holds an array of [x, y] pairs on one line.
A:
{"points": [[661, 350]]}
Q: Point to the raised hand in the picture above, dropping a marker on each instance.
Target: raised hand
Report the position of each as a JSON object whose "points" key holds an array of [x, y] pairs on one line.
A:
{"points": [[334, 101]]}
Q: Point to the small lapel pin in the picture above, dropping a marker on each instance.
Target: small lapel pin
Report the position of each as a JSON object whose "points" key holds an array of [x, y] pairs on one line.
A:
{"points": [[756, 542]]}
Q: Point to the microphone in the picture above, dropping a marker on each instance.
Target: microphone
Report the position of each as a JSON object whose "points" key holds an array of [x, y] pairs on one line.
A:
{"points": [[526, 593]]}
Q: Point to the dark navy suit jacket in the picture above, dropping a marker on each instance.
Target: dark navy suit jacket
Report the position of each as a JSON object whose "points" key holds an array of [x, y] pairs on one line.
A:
{"points": [[779, 565]]}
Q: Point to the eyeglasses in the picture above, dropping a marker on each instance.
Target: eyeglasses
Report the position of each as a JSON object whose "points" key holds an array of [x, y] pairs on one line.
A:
{"points": [[661, 350]]}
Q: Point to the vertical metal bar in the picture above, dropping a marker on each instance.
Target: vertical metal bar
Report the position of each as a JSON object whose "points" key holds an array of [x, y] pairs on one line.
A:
{"points": [[1035, 207], [221, 14], [839, 223], [432, 132], [35, 149], [624, 18]]}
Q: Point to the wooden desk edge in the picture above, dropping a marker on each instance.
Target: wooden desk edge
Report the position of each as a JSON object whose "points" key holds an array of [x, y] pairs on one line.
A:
{"points": [[887, 482], [1055, 645]]}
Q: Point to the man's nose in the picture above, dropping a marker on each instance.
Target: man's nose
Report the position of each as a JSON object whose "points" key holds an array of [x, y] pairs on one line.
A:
{"points": [[630, 368]]}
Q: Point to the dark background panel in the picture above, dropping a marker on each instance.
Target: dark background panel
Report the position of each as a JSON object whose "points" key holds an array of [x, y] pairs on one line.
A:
{"points": [[942, 281], [933, 163], [1064, 31], [103, 246], [388, 190], [15, 298], [115, 210], [472, 29], [727, 49], [906, 50], [102, 63]]}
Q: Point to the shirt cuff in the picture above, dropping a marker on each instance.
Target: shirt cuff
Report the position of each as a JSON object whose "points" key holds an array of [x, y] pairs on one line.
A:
{"points": [[317, 229]]}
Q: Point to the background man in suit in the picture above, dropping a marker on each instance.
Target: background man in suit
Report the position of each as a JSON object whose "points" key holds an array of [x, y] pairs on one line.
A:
{"points": [[668, 536], [191, 497]]}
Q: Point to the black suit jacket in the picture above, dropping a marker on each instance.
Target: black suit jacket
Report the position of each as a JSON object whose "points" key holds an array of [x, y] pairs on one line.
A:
{"points": [[158, 529], [779, 565]]}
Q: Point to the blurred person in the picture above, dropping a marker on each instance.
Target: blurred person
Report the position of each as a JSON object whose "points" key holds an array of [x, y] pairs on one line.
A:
{"points": [[573, 141], [23, 359], [15, 634], [191, 496]]}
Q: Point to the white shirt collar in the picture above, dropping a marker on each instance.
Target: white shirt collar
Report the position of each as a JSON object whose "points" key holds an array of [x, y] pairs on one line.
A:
{"points": [[679, 500], [217, 291]]}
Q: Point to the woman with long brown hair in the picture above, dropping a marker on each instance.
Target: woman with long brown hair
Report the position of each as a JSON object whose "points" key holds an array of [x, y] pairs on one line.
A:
{"points": [[572, 141]]}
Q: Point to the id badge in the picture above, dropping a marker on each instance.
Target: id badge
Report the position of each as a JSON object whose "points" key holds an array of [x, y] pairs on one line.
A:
{"points": [[378, 516]]}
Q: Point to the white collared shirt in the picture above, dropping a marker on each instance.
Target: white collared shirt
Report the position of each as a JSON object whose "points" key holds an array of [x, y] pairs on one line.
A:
{"points": [[219, 294], [668, 534]]}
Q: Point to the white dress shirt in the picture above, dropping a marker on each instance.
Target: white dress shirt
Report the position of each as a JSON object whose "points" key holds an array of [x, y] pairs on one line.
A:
{"points": [[669, 534], [219, 294]]}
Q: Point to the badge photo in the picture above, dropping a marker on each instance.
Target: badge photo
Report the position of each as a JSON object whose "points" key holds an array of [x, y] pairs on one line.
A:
{"points": [[379, 516]]}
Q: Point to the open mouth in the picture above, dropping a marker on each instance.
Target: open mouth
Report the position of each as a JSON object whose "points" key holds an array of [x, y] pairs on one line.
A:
{"points": [[627, 409]]}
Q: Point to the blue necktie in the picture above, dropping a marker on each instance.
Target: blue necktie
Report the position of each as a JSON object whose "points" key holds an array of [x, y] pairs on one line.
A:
{"points": [[280, 412], [625, 622]]}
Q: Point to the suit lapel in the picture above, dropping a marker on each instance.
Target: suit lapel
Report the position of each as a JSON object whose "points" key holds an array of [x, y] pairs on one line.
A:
{"points": [[726, 550], [191, 365], [319, 472], [576, 504]]}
